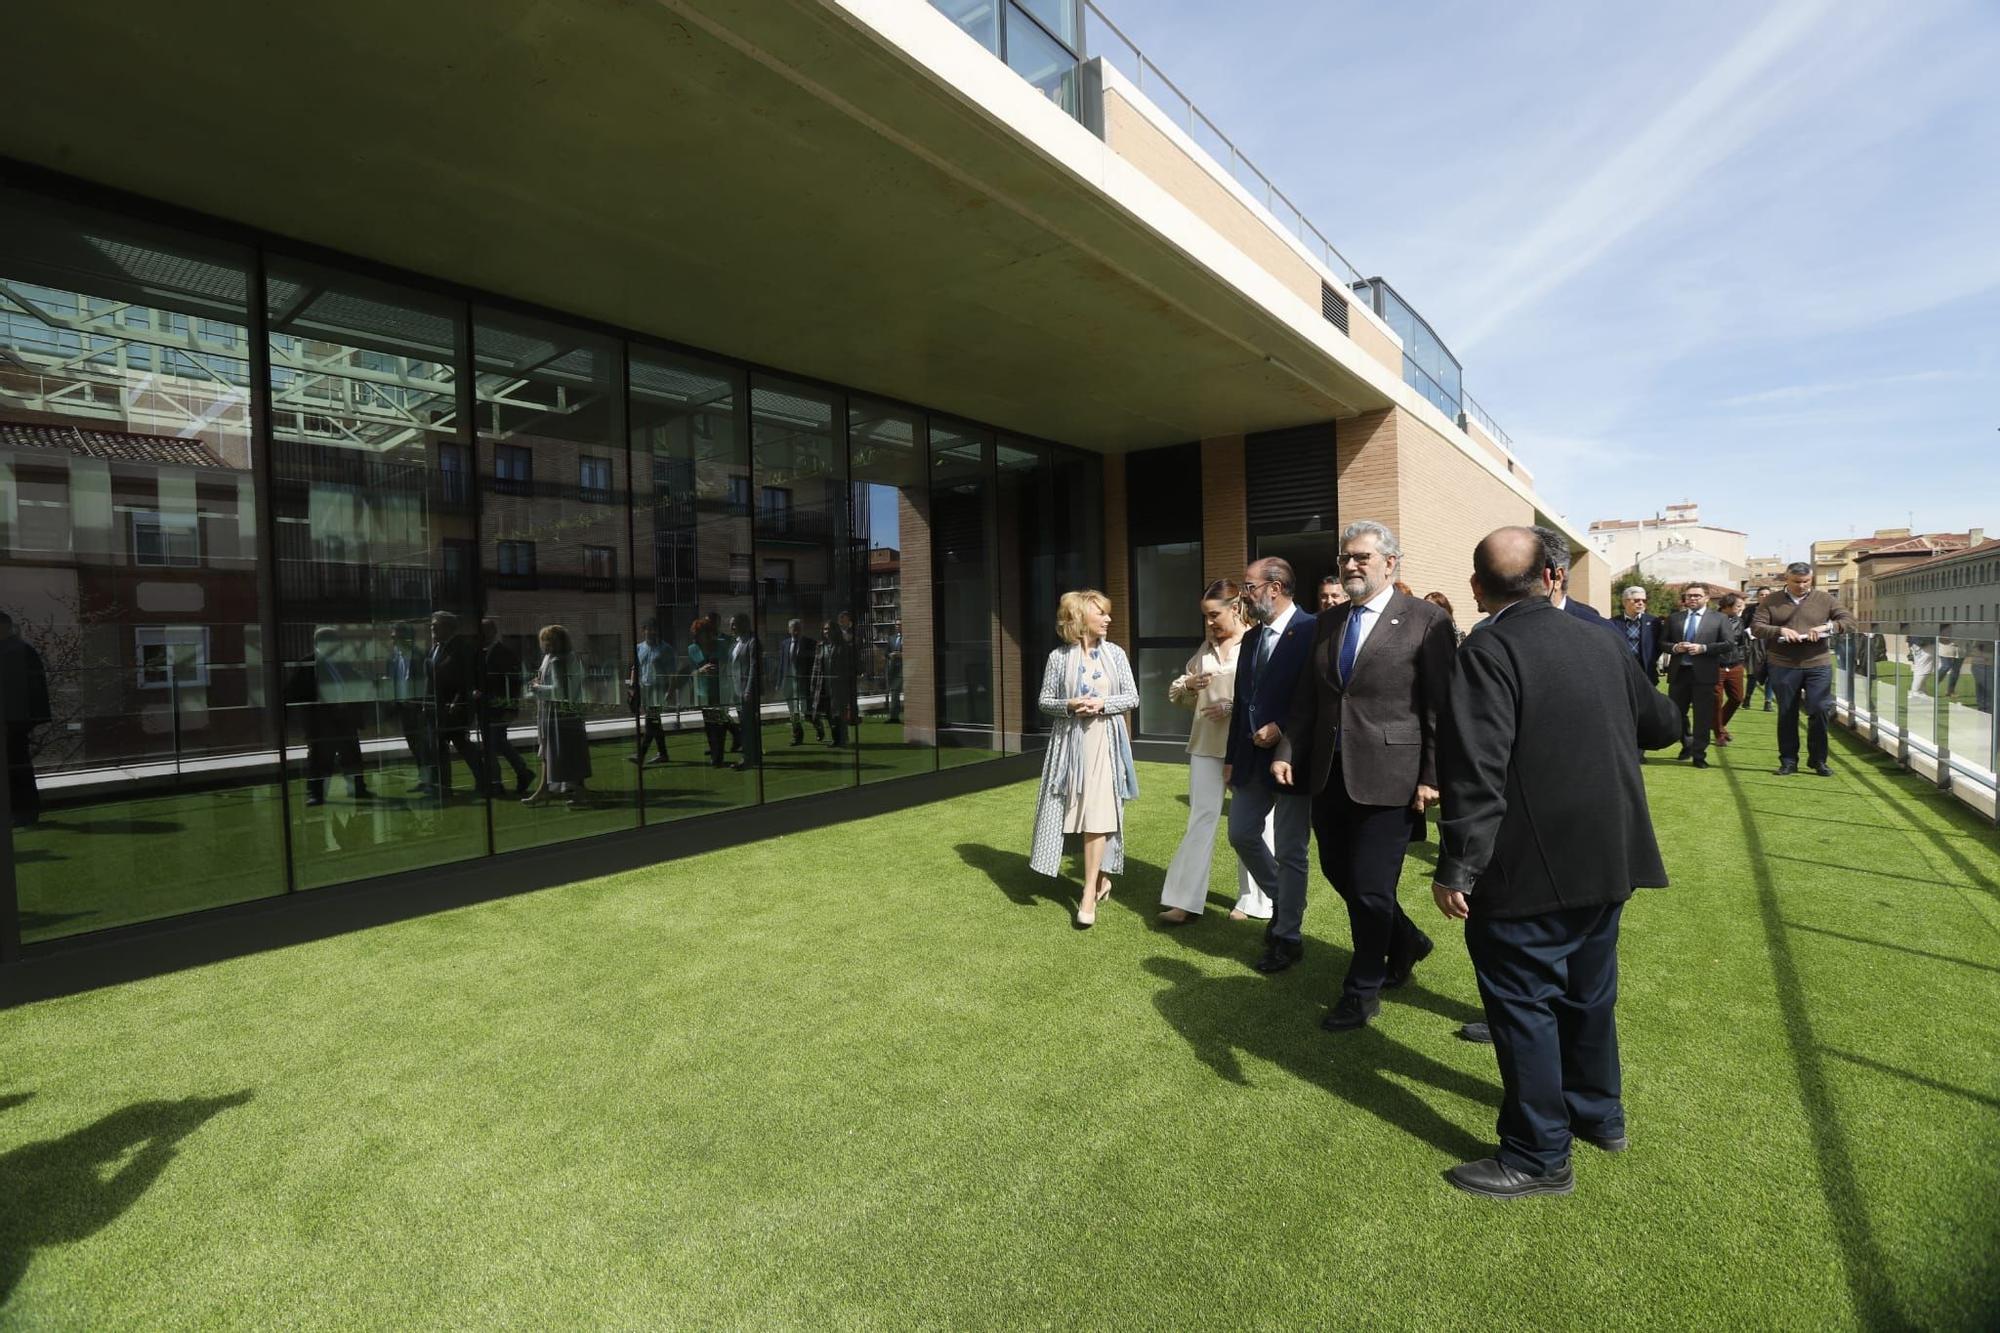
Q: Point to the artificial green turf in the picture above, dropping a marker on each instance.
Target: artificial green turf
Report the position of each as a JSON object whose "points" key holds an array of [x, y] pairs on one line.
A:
{"points": [[869, 1076]]}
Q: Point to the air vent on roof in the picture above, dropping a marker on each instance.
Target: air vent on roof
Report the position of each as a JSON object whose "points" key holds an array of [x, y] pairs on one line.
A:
{"points": [[1334, 306]]}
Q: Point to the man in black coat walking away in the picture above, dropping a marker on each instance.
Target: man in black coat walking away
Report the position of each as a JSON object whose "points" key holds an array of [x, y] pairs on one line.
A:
{"points": [[24, 705], [1545, 834]]}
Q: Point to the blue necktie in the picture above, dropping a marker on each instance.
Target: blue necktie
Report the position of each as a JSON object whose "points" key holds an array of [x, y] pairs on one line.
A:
{"points": [[1350, 642]]}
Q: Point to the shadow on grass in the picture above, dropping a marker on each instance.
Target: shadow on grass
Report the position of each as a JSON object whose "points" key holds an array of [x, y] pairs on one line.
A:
{"points": [[33, 921], [1922, 1081], [62, 1190], [1862, 1260], [124, 826], [1222, 1018], [1899, 948], [9, 1100], [1011, 874], [1876, 771]]}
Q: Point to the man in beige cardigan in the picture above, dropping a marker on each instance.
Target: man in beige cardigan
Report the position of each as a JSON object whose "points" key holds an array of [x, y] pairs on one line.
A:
{"points": [[1794, 625]]}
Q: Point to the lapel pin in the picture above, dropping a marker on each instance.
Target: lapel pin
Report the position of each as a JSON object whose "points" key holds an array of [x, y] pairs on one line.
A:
{"points": [[1395, 622]]}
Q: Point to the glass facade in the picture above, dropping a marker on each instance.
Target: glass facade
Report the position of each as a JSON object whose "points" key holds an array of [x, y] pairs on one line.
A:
{"points": [[1039, 40], [332, 575], [1428, 367]]}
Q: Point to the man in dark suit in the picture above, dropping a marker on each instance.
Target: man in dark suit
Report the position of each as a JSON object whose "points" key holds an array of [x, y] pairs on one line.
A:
{"points": [[1556, 547], [453, 669], [24, 705], [1696, 637], [795, 669], [1545, 834], [1267, 671], [405, 686], [329, 698], [500, 703], [1643, 632], [1362, 731]]}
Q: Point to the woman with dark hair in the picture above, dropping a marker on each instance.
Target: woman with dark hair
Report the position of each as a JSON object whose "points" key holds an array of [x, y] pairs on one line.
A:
{"points": [[1443, 603], [559, 700], [705, 671], [1208, 686]]}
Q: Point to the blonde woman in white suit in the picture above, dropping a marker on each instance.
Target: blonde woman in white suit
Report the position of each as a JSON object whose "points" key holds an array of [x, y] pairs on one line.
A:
{"points": [[1087, 771], [1209, 688]]}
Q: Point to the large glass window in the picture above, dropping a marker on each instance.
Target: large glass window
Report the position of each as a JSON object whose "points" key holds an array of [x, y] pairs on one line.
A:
{"points": [[1166, 629], [378, 626], [1040, 59], [962, 561], [812, 641], [137, 708], [891, 585], [554, 729], [696, 667]]}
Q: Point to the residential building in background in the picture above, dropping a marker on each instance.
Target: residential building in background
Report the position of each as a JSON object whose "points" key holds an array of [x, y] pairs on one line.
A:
{"points": [[1623, 543], [1879, 593], [271, 399], [1842, 564]]}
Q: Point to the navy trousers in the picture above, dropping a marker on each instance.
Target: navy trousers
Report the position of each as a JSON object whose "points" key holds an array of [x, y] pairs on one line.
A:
{"points": [[1361, 850], [1814, 687], [1550, 985]]}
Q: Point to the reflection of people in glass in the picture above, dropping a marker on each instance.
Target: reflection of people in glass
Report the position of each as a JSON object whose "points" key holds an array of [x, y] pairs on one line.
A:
{"points": [[405, 684], [705, 670], [746, 676], [329, 697], [648, 687], [894, 672], [860, 657], [559, 729], [797, 657], [454, 680], [24, 705], [1208, 686], [1087, 771], [832, 682], [500, 692]]}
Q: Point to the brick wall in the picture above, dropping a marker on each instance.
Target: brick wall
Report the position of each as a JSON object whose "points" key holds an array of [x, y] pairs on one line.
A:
{"points": [[919, 628], [1447, 503], [1117, 544], [1225, 532]]}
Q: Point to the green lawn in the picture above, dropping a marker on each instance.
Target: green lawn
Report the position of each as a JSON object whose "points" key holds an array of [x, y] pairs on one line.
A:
{"points": [[868, 1076]]}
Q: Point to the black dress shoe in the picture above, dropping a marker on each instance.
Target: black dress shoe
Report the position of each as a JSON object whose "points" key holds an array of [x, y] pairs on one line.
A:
{"points": [[1400, 968], [1701, 761], [1496, 1180], [1279, 955], [1684, 754], [1822, 770], [1787, 768], [1352, 1012], [1602, 1141], [1478, 1032]]}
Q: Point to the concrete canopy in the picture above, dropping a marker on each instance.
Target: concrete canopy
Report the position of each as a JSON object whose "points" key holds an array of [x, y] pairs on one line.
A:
{"points": [[769, 179]]}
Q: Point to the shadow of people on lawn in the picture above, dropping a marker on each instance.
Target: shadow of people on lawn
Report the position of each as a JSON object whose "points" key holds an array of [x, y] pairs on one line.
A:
{"points": [[1221, 1017], [1010, 872], [63, 1190]]}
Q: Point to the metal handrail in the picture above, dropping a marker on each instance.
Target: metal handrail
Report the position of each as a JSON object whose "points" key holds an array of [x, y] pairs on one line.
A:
{"points": [[1149, 77]]}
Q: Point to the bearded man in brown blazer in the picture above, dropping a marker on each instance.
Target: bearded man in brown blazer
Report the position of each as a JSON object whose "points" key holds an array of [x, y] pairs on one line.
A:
{"points": [[1362, 738]]}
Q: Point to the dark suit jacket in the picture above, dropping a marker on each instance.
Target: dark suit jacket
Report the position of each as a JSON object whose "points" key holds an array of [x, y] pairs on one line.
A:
{"points": [[1584, 611], [500, 678], [1715, 633], [326, 696], [1652, 641], [454, 673], [1387, 712], [795, 660], [1265, 697], [1544, 807], [24, 684]]}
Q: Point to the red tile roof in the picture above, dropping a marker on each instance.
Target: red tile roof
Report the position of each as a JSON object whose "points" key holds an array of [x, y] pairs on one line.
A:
{"points": [[117, 445]]}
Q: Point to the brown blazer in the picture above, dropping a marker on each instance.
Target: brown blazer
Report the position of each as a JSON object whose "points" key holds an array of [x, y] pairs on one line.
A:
{"points": [[1777, 611], [1387, 714]]}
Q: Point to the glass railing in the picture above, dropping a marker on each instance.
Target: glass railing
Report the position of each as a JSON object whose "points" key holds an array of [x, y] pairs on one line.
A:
{"points": [[1924, 691]]}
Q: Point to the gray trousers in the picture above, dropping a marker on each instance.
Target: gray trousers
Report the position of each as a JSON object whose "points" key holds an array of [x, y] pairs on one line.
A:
{"points": [[1280, 869]]}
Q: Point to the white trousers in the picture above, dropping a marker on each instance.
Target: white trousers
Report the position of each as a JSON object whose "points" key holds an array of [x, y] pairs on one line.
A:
{"points": [[1922, 664], [1187, 878]]}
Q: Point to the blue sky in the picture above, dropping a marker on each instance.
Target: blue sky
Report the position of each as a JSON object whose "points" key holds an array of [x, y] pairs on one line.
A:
{"points": [[1744, 254]]}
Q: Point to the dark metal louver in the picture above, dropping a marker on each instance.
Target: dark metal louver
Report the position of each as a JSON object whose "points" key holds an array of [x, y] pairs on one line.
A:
{"points": [[1293, 478], [1334, 306]]}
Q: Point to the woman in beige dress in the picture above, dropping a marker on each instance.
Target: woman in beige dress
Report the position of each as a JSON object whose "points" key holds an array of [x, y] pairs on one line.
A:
{"points": [[1087, 770], [1208, 686]]}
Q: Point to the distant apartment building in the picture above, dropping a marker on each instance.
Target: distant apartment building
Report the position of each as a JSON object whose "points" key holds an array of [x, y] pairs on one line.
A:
{"points": [[1878, 592], [1843, 565], [1623, 543]]}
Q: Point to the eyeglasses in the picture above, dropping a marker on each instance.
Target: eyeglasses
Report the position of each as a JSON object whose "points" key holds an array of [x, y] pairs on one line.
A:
{"points": [[1356, 557]]}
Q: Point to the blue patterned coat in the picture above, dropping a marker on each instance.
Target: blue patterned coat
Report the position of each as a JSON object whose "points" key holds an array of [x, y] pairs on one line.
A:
{"points": [[1062, 762]]}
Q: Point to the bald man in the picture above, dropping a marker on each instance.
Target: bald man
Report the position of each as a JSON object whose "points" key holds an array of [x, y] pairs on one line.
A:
{"points": [[1545, 834]]}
